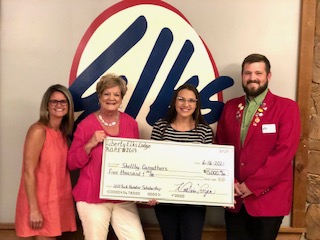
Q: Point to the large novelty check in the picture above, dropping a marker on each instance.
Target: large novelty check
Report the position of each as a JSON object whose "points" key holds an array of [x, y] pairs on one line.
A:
{"points": [[140, 170]]}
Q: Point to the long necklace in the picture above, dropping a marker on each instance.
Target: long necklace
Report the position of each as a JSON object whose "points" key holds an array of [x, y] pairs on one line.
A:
{"points": [[107, 124]]}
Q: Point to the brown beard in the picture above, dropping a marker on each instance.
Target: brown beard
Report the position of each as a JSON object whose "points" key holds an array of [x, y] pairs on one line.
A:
{"points": [[255, 92]]}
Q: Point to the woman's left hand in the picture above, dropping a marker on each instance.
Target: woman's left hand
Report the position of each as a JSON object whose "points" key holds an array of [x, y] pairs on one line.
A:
{"points": [[152, 202]]}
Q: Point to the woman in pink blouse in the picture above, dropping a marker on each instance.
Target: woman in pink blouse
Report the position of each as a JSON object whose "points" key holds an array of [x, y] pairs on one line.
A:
{"points": [[86, 154]]}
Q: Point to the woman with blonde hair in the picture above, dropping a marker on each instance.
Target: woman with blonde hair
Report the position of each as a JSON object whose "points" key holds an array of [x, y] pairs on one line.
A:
{"points": [[45, 206]]}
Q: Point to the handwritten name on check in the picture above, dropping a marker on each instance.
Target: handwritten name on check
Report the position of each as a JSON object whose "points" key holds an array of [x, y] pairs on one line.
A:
{"points": [[140, 170]]}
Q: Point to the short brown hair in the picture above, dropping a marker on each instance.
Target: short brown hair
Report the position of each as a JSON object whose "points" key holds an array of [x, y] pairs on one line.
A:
{"points": [[111, 80], [255, 57]]}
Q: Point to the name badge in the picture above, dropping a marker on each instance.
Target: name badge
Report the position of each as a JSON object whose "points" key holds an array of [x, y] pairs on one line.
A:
{"points": [[268, 128]]}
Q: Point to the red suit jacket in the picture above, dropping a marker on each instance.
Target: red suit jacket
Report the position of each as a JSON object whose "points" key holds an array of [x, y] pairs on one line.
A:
{"points": [[264, 161]]}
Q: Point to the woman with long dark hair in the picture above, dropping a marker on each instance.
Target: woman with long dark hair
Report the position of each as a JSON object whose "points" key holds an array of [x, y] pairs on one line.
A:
{"points": [[184, 123]]}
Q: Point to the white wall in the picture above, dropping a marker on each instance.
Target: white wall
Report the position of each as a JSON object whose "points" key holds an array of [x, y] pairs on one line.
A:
{"points": [[39, 39]]}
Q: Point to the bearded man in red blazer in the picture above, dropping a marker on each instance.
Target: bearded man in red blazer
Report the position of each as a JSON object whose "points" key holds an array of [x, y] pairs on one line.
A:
{"points": [[265, 131]]}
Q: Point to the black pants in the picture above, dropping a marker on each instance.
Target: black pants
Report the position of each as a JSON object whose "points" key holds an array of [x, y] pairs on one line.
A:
{"points": [[180, 222], [242, 226]]}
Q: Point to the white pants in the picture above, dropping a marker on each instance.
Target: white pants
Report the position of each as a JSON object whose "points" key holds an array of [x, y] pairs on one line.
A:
{"points": [[124, 218]]}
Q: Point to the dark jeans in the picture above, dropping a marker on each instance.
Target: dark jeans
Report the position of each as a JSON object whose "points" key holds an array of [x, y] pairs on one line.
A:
{"points": [[242, 226], [180, 222]]}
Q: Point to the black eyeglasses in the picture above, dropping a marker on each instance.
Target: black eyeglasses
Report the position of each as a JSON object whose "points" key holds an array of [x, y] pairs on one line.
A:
{"points": [[56, 102], [183, 100]]}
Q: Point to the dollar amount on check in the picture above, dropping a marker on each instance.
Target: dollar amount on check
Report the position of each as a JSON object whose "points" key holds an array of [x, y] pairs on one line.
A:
{"points": [[140, 170]]}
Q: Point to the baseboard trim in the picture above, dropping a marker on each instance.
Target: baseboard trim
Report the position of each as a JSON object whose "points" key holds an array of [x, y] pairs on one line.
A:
{"points": [[6, 226], [10, 226]]}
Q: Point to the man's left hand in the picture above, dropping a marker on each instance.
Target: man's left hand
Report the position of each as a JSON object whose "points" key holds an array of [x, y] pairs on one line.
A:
{"points": [[245, 191]]}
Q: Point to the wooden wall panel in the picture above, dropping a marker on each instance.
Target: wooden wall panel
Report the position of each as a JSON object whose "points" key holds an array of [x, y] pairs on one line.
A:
{"points": [[305, 71]]}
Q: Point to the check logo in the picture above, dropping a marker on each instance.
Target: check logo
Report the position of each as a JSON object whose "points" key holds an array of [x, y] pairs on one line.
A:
{"points": [[155, 49]]}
